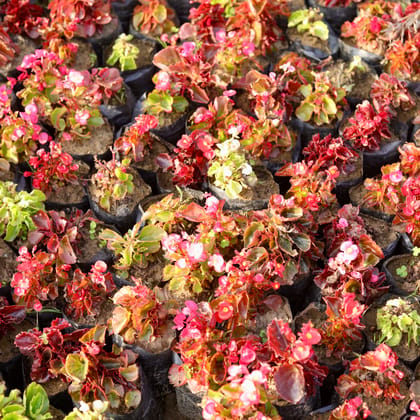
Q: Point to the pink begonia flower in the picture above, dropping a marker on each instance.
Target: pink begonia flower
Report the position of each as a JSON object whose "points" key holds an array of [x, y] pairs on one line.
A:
{"points": [[350, 251], [212, 204], [38, 306], [163, 81], [181, 263], [66, 136], [187, 49], [217, 262], [301, 350], [396, 176], [171, 242], [221, 35], [229, 93], [82, 117], [203, 116], [225, 311], [76, 77], [342, 223], [184, 142], [196, 252], [248, 355], [309, 335], [209, 410], [248, 48], [250, 394]]}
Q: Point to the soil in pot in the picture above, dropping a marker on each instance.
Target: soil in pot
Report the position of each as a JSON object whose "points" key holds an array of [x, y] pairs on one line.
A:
{"points": [[101, 316], [8, 262], [383, 233], [357, 193], [308, 40], [385, 411], [406, 353], [147, 48], [345, 181], [85, 58], [71, 195], [356, 82], [315, 312], [25, 46], [256, 198], [125, 206], [98, 143], [403, 285], [151, 275]]}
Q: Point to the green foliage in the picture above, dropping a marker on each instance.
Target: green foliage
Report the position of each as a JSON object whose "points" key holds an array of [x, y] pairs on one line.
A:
{"points": [[159, 101], [230, 170], [34, 406], [137, 246], [17, 209], [402, 271], [309, 20], [396, 318], [124, 53], [322, 103], [112, 182]]}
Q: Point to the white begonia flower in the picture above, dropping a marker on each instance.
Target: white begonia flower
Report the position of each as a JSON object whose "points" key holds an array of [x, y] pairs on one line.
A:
{"points": [[246, 169]]}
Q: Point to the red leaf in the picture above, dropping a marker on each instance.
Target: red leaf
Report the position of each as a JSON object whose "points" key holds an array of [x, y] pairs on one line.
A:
{"points": [[290, 383], [194, 213], [276, 339]]}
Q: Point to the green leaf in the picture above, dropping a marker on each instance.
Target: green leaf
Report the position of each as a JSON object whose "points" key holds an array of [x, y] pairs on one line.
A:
{"points": [[35, 400], [320, 30], [302, 241], [132, 398], [151, 233], [57, 120], [233, 189], [329, 105], [95, 121], [296, 17], [76, 367], [160, 13], [304, 111], [130, 373]]}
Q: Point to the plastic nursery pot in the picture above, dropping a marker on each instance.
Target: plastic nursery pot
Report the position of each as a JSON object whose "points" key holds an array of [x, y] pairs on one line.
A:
{"points": [[182, 8], [139, 80], [346, 181], [307, 130], [98, 144], [295, 292], [188, 402], [373, 161], [336, 16], [122, 223], [409, 354], [124, 10], [399, 285], [356, 194], [170, 131], [406, 244], [383, 233], [259, 196], [148, 409], [118, 115], [108, 35], [318, 54], [301, 410], [26, 46], [273, 165], [348, 52], [155, 366]]}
